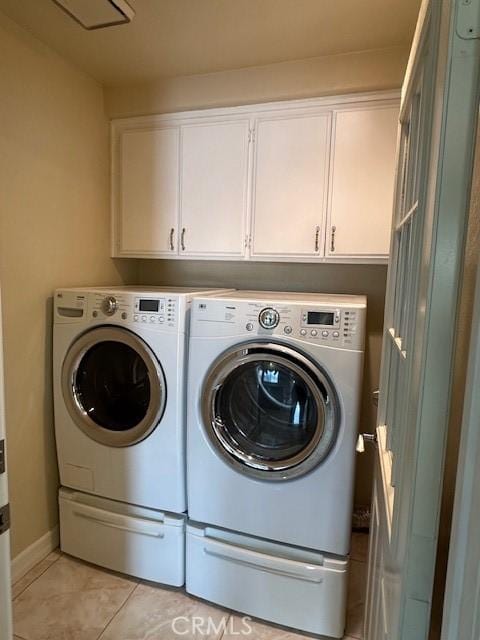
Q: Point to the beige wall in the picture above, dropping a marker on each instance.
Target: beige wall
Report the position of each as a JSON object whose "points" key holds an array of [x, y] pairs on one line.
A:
{"points": [[54, 231], [346, 73], [355, 279]]}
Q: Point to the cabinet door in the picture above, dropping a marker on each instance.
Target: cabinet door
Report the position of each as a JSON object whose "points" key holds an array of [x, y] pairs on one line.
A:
{"points": [[290, 186], [362, 181], [147, 196], [214, 188]]}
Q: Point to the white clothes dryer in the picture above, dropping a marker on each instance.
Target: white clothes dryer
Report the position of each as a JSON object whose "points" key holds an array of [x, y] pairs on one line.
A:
{"points": [[273, 404], [273, 399]]}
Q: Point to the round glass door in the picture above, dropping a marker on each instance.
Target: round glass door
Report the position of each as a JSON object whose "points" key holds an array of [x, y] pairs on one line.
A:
{"points": [[113, 386], [270, 411]]}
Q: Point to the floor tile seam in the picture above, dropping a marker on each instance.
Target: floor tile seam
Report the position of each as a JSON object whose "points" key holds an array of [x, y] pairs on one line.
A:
{"points": [[39, 576], [118, 611], [230, 615]]}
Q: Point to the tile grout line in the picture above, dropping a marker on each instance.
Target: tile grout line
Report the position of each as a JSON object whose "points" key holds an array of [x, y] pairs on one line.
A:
{"points": [[225, 630], [39, 575], [118, 610]]}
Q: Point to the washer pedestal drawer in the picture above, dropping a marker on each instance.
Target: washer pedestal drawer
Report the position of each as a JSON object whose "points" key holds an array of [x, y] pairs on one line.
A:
{"points": [[140, 542], [302, 589]]}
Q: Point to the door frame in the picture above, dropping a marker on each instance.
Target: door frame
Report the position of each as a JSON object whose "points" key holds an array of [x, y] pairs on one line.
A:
{"points": [[461, 614], [6, 625]]}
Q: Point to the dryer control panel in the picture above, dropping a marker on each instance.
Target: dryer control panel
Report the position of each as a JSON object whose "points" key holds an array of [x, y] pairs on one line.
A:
{"points": [[146, 310], [337, 325], [158, 312]]}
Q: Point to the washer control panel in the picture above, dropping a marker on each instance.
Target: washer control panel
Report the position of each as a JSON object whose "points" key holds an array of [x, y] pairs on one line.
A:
{"points": [[331, 326], [340, 325], [146, 310], [155, 311]]}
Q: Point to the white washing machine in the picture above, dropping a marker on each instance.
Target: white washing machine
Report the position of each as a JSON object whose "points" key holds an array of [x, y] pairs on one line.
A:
{"points": [[119, 359], [273, 402]]}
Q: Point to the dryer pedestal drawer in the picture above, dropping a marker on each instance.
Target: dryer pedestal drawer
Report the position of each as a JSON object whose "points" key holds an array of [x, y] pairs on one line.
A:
{"points": [[300, 589], [141, 542]]}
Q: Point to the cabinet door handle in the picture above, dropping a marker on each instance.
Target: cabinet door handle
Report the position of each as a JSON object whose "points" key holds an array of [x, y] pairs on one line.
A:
{"points": [[182, 240], [332, 240], [172, 232], [317, 232]]}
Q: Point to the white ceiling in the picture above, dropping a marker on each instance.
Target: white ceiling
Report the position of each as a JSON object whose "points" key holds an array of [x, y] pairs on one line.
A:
{"points": [[179, 37]]}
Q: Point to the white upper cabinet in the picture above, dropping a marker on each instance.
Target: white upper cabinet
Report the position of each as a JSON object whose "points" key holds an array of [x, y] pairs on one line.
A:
{"points": [[214, 188], [147, 193], [362, 181], [305, 180], [290, 185]]}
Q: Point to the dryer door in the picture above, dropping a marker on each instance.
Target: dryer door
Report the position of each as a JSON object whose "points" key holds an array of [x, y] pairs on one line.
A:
{"points": [[113, 386], [269, 411]]}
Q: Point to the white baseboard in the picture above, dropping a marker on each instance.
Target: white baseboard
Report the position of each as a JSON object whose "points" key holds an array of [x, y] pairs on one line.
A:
{"points": [[30, 556]]}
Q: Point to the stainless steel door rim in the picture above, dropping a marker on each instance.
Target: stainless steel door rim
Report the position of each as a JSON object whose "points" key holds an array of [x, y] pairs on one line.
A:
{"points": [[310, 374], [80, 414]]}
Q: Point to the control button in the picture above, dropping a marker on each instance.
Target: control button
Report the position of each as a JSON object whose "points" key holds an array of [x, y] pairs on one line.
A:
{"points": [[325, 334], [313, 332], [303, 332], [335, 334], [288, 329], [95, 314], [161, 319], [109, 305], [152, 318], [124, 316], [135, 317], [269, 318], [144, 318], [249, 326]]}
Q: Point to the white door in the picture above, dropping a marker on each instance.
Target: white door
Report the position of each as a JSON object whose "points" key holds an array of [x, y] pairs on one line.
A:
{"points": [[364, 141], [435, 157], [214, 188], [5, 577], [146, 203], [290, 185]]}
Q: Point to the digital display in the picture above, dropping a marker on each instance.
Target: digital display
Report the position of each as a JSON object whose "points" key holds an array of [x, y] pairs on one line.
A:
{"points": [[321, 317], [148, 305]]}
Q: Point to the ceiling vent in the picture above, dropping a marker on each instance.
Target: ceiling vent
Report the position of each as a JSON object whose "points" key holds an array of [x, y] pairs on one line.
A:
{"points": [[97, 14]]}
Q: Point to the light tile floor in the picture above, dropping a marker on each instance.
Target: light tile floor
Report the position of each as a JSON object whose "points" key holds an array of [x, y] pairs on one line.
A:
{"points": [[65, 599]]}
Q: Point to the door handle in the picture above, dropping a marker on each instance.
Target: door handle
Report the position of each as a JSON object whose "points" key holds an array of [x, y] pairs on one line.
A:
{"points": [[317, 232], [375, 395], [172, 233], [182, 240], [332, 239], [368, 438]]}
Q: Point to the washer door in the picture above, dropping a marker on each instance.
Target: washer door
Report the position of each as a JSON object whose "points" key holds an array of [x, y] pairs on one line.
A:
{"points": [[269, 411], [113, 386]]}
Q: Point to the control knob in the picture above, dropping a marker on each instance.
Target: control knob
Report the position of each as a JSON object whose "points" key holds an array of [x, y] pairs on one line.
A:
{"points": [[109, 305], [269, 318]]}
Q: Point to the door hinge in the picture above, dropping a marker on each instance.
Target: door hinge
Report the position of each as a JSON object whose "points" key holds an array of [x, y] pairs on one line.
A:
{"points": [[468, 19], [4, 518], [3, 465]]}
